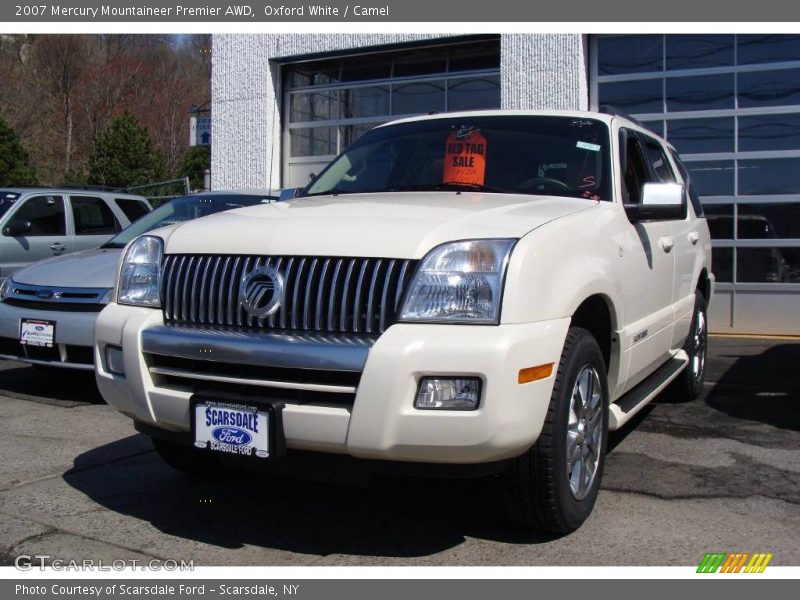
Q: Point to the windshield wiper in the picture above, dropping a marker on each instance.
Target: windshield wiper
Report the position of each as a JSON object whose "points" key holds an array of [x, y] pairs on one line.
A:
{"points": [[332, 192]]}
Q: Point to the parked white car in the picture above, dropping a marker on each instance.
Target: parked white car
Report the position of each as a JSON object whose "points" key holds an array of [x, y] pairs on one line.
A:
{"points": [[48, 310], [38, 223], [489, 291]]}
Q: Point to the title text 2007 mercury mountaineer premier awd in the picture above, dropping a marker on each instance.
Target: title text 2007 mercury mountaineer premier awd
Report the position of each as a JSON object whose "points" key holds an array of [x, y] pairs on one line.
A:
{"points": [[494, 289]]}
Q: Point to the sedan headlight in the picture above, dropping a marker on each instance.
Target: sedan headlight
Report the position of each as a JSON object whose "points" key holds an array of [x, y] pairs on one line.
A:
{"points": [[5, 287], [140, 274], [459, 282]]}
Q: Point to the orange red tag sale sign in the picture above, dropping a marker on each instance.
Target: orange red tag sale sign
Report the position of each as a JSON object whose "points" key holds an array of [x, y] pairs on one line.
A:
{"points": [[465, 158]]}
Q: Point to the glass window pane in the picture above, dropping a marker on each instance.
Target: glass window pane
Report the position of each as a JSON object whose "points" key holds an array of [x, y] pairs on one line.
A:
{"points": [[769, 88], [313, 73], [470, 57], [420, 62], [313, 106], [764, 221], [720, 221], [769, 176], [365, 67], [92, 216], [697, 51], [45, 213], [712, 177], [722, 264], [133, 209], [767, 48], [634, 97], [769, 132], [473, 94], [658, 160], [656, 127], [365, 102], [700, 92], [630, 54], [768, 265], [415, 98], [312, 141], [695, 136], [350, 133]]}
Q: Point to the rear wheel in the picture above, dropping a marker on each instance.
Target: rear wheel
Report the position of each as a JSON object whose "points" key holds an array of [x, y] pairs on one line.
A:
{"points": [[554, 485], [689, 384]]}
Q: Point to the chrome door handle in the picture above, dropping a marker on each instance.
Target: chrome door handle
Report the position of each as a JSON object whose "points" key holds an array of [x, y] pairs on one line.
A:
{"points": [[666, 243], [693, 237], [58, 248]]}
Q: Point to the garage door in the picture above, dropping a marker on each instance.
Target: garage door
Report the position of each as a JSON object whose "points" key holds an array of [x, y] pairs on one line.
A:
{"points": [[731, 106], [328, 103]]}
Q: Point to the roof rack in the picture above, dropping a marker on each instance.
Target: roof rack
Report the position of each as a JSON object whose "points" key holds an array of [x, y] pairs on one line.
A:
{"points": [[610, 110], [95, 188]]}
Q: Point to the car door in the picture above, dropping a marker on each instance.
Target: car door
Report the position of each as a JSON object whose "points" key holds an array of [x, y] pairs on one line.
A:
{"points": [[649, 268], [94, 223], [689, 237], [46, 236]]}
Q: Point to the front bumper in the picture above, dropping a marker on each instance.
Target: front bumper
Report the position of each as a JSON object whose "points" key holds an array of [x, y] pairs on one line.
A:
{"points": [[73, 335], [381, 422]]}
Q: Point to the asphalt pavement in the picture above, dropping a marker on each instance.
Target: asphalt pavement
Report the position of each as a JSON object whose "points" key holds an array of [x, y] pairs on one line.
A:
{"points": [[721, 473]]}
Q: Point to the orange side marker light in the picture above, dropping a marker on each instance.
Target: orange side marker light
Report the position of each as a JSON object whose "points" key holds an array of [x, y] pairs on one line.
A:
{"points": [[535, 373]]}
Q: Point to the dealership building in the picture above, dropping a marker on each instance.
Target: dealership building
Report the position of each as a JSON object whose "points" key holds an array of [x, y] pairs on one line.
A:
{"points": [[285, 104]]}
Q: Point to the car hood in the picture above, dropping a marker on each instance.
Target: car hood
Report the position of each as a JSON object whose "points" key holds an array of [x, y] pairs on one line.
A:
{"points": [[392, 225], [95, 268]]}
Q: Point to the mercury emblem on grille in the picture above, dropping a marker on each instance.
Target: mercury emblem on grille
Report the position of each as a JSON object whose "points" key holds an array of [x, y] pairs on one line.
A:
{"points": [[261, 291]]}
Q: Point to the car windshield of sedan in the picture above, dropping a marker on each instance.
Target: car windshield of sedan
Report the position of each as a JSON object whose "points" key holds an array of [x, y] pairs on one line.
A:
{"points": [[509, 154], [183, 209]]}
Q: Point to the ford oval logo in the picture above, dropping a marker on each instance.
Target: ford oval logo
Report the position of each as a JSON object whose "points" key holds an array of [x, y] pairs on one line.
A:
{"points": [[44, 294], [232, 435]]}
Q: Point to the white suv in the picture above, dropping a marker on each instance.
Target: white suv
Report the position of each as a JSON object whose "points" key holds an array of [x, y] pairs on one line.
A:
{"points": [[492, 291]]}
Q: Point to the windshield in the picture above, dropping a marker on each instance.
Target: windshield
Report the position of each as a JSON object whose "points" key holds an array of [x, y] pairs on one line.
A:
{"points": [[183, 209], [562, 156], [7, 200]]}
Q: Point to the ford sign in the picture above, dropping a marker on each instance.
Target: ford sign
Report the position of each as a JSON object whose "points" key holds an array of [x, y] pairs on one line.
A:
{"points": [[232, 435]]}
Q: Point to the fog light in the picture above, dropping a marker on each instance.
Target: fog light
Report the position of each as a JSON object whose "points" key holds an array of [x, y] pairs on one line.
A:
{"points": [[448, 393], [114, 362]]}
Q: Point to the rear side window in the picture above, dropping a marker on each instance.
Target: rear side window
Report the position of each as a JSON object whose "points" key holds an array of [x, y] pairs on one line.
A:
{"points": [[133, 209], [687, 181], [658, 160], [45, 213], [93, 216]]}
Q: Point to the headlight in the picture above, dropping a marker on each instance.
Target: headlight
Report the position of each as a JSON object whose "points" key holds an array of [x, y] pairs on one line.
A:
{"points": [[140, 275], [4, 288], [459, 282]]}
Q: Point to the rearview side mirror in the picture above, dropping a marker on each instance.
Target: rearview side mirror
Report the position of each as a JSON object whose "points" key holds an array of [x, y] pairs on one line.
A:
{"points": [[17, 228], [660, 202]]}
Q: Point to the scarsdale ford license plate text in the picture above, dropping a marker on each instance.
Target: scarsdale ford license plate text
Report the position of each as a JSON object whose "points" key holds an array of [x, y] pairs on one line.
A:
{"points": [[232, 429]]}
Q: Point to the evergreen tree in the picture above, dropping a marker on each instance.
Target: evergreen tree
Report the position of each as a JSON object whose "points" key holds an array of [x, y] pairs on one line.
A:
{"points": [[196, 160], [15, 168], [123, 155]]}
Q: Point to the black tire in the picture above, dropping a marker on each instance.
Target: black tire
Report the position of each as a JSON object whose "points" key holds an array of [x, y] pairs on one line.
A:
{"points": [[187, 459], [537, 487], [689, 384]]}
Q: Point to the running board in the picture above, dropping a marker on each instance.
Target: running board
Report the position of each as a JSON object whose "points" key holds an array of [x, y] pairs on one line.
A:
{"points": [[624, 409]]}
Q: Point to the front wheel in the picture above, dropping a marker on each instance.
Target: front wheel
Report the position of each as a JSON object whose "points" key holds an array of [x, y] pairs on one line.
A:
{"points": [[554, 485]]}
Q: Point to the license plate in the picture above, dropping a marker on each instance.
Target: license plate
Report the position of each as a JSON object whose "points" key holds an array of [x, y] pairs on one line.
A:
{"points": [[33, 332], [231, 428]]}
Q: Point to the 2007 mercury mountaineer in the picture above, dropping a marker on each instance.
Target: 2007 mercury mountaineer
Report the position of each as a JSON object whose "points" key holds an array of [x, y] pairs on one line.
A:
{"points": [[496, 289]]}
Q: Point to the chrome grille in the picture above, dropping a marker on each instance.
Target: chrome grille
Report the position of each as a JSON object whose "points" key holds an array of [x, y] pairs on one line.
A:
{"points": [[325, 294]]}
